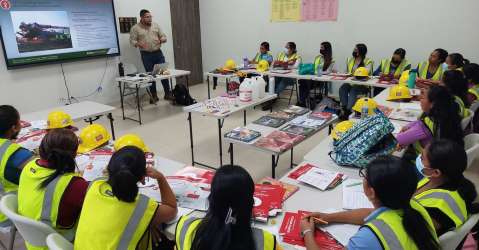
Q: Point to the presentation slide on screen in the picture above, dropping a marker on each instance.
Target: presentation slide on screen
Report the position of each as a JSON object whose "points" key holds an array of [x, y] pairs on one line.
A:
{"points": [[36, 31]]}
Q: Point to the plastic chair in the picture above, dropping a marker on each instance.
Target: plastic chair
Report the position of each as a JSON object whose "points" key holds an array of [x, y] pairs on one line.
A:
{"points": [[34, 232], [468, 120], [474, 106], [57, 242], [452, 239], [471, 145]]}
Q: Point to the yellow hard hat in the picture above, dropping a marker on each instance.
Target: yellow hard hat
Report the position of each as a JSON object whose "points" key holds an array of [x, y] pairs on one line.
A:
{"points": [[399, 92], [92, 137], [59, 119], [340, 129], [230, 64], [404, 78], [262, 66], [368, 102], [361, 72], [130, 140]]}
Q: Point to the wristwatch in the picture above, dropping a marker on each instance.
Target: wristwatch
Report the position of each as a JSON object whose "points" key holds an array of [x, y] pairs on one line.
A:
{"points": [[303, 233]]}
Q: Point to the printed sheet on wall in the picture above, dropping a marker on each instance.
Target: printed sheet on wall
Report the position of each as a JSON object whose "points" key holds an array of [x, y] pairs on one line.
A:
{"points": [[304, 10]]}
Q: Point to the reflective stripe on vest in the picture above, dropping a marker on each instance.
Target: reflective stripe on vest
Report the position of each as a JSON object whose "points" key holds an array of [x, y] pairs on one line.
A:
{"points": [[283, 58], [388, 235], [423, 68], [317, 63], [352, 61], [463, 112], [257, 58], [187, 226], [448, 202], [3, 162], [474, 91], [7, 149], [386, 67], [133, 222]]}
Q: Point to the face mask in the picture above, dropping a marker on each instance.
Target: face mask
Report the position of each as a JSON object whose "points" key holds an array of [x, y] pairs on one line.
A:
{"points": [[396, 62], [286, 51], [355, 54], [322, 52], [419, 165]]}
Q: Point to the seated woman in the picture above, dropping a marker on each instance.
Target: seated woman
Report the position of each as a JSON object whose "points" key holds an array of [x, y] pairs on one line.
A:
{"points": [[471, 72], [348, 94], [115, 215], [440, 119], [49, 190], [431, 71], [393, 67], [455, 81], [263, 54], [396, 222], [456, 61], [444, 191], [288, 59], [227, 224], [323, 64]]}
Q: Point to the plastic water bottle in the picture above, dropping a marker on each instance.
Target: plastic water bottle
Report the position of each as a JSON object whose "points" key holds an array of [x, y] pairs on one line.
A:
{"points": [[245, 62], [411, 83], [364, 111]]}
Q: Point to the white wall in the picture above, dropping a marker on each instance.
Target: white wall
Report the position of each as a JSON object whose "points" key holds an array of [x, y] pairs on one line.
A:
{"points": [[234, 29], [35, 88]]}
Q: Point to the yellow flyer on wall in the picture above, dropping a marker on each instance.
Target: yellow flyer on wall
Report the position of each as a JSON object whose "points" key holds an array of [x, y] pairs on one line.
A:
{"points": [[285, 10]]}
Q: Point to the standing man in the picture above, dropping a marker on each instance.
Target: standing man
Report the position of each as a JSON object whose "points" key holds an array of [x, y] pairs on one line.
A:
{"points": [[148, 37]]}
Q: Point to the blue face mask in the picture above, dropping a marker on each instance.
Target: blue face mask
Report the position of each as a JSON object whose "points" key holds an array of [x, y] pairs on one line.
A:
{"points": [[419, 165]]}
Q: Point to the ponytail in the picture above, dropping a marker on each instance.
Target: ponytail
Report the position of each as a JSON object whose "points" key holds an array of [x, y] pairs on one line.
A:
{"points": [[418, 229], [62, 161], [124, 185]]}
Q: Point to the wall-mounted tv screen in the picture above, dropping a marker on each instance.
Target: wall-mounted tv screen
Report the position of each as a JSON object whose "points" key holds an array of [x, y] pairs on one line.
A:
{"points": [[47, 31]]}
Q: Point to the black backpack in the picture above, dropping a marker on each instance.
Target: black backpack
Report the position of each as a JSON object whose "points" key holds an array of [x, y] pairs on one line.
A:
{"points": [[182, 95]]}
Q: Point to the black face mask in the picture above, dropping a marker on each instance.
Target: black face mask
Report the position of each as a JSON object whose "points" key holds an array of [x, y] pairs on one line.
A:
{"points": [[322, 52], [355, 54], [396, 62]]}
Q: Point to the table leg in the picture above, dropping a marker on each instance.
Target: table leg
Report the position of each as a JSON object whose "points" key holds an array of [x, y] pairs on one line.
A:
{"points": [[227, 81], [297, 90], [188, 82], [138, 102], [110, 117], [220, 140], [231, 154], [244, 117], [292, 156], [208, 83], [274, 164], [121, 101], [190, 123]]}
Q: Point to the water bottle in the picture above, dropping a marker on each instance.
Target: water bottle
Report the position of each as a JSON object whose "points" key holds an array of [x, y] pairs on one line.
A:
{"points": [[364, 111], [245, 62], [411, 83]]}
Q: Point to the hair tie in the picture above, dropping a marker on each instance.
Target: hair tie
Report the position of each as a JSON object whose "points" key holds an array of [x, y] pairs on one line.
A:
{"points": [[230, 219]]}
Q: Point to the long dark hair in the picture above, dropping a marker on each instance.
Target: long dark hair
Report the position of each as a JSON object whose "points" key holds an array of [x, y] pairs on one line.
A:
{"points": [[385, 175], [457, 84], [126, 168], [445, 115], [292, 46], [451, 159], [9, 117], [401, 52], [265, 45], [442, 54], [471, 71], [458, 60], [362, 52], [232, 188], [59, 148], [327, 55]]}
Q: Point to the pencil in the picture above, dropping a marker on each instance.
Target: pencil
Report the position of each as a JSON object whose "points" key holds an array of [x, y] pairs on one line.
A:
{"points": [[320, 220], [354, 184]]}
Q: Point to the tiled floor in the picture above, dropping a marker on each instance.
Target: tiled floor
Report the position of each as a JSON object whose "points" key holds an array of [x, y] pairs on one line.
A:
{"points": [[165, 131]]}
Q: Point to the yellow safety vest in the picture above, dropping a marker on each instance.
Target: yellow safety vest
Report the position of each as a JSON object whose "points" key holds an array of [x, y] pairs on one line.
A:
{"points": [[187, 226], [474, 91], [42, 204], [386, 67], [318, 61], [108, 223], [351, 61], [431, 126], [257, 58], [282, 57], [463, 111], [424, 66], [7, 149], [390, 231], [448, 202]]}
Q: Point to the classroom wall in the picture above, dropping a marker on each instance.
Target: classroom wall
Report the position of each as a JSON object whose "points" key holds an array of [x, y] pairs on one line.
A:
{"points": [[234, 29], [41, 87]]}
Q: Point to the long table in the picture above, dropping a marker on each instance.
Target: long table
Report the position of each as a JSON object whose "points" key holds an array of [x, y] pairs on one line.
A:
{"points": [[87, 110]]}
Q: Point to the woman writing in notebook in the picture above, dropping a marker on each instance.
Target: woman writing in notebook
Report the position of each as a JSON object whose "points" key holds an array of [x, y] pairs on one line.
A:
{"points": [[396, 222]]}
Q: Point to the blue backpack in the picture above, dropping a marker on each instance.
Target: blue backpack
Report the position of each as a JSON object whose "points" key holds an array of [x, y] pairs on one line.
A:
{"points": [[364, 142]]}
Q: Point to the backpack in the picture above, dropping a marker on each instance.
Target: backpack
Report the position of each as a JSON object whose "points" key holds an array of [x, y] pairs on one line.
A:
{"points": [[182, 95], [364, 142]]}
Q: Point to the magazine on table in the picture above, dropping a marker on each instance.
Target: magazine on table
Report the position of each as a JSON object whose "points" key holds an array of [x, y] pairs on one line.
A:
{"points": [[282, 115], [268, 201], [273, 144], [93, 165], [319, 178], [304, 121], [321, 115], [269, 121], [408, 115], [290, 189], [297, 110], [285, 137], [298, 130], [243, 134]]}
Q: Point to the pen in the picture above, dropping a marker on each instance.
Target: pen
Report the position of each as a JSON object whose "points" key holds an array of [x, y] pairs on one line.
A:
{"points": [[354, 184], [320, 221]]}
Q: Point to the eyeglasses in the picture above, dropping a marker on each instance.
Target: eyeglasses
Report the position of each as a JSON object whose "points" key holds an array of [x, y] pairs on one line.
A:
{"points": [[362, 172]]}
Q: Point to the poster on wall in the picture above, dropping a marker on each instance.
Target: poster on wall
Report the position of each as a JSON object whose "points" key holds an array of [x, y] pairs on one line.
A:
{"points": [[304, 10]]}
